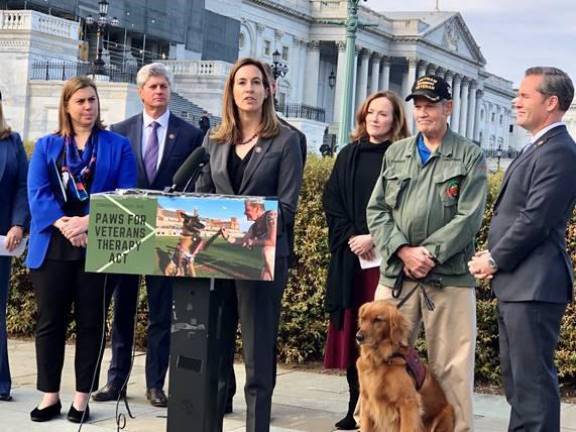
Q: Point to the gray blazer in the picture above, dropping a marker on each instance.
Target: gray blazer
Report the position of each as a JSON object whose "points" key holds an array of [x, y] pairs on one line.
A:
{"points": [[527, 231], [275, 169]]}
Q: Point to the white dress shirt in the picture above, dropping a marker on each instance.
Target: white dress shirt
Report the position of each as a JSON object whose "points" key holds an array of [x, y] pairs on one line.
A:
{"points": [[161, 132]]}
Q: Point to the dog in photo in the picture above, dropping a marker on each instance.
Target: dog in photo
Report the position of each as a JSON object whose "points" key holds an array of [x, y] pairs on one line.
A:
{"points": [[398, 393]]}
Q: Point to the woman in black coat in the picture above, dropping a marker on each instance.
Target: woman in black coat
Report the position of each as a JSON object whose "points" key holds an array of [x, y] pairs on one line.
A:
{"points": [[379, 122]]}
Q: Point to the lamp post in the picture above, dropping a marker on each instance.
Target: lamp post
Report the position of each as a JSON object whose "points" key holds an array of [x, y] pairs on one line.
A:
{"points": [[498, 157], [279, 70], [102, 22], [346, 107], [332, 80]]}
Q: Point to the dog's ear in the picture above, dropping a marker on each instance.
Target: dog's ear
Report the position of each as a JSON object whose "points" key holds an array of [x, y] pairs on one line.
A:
{"points": [[399, 328]]}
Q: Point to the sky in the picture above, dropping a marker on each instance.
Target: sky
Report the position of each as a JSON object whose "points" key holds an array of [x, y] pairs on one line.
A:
{"points": [[512, 34]]}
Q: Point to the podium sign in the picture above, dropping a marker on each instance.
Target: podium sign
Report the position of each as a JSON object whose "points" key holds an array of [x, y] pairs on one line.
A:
{"points": [[182, 235]]}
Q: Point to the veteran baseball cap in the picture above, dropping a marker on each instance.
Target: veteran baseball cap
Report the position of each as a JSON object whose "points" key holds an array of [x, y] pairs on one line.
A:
{"points": [[431, 87]]}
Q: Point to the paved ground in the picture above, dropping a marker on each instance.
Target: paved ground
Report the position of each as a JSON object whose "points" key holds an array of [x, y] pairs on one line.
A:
{"points": [[304, 401]]}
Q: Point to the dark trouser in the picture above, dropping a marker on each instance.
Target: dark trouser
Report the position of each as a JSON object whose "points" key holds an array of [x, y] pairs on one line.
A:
{"points": [[528, 333], [5, 381], [59, 285], [259, 305], [159, 290], [125, 291]]}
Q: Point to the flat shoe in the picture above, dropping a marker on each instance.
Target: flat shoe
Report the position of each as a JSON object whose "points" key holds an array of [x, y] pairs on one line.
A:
{"points": [[5, 397], [46, 414], [75, 416]]}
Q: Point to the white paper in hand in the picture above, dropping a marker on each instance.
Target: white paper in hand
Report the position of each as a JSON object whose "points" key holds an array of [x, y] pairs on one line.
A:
{"points": [[375, 262], [16, 252]]}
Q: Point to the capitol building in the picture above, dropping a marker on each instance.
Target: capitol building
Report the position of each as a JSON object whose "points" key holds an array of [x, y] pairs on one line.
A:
{"points": [[45, 41]]}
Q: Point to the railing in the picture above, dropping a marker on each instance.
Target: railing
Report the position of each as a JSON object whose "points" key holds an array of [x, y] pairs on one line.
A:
{"points": [[32, 20], [198, 67], [61, 70], [303, 111]]}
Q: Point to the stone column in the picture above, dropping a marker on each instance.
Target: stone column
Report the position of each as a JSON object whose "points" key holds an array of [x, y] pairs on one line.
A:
{"points": [[422, 67], [407, 82], [312, 69], [471, 111], [477, 122], [385, 76], [455, 118], [464, 108], [363, 77], [341, 46], [409, 77], [375, 79]]}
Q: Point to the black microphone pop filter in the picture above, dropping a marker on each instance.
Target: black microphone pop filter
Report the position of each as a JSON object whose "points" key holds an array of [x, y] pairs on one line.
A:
{"points": [[191, 168]]}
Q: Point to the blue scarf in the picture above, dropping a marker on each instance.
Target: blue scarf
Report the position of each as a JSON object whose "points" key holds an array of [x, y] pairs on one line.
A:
{"points": [[79, 167]]}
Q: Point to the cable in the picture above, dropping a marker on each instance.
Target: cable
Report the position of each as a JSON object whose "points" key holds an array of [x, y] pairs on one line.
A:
{"points": [[121, 417], [101, 350]]}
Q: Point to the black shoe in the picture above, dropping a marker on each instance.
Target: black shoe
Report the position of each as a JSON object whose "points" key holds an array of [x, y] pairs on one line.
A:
{"points": [[157, 397], [46, 414], [5, 397], [347, 423], [109, 392], [75, 416]]}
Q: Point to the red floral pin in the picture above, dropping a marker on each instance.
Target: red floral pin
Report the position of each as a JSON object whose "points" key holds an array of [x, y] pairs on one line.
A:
{"points": [[453, 189]]}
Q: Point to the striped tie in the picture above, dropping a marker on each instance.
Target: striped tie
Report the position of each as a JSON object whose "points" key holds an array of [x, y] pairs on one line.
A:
{"points": [[151, 153]]}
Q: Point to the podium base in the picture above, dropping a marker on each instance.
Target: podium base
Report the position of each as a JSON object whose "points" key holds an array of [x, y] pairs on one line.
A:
{"points": [[198, 353]]}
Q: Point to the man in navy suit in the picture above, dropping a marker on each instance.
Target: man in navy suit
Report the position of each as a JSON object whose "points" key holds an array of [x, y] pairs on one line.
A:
{"points": [[526, 260], [161, 142]]}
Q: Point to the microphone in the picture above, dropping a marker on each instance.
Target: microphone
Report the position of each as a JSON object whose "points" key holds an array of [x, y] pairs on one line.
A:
{"points": [[189, 171]]}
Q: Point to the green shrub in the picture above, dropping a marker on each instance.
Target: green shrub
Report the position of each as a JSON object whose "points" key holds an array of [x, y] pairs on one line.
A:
{"points": [[303, 323]]}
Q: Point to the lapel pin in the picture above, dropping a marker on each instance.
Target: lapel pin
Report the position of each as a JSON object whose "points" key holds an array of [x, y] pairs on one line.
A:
{"points": [[257, 149], [171, 136]]}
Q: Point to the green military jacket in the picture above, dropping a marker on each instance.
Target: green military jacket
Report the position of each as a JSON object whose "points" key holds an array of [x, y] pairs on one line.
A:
{"points": [[438, 205]]}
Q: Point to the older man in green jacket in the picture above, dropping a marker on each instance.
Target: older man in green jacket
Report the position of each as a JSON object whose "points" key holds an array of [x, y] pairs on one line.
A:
{"points": [[423, 215]]}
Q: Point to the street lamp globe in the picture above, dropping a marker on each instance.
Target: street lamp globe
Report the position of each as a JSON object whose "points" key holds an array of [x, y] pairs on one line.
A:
{"points": [[276, 56], [103, 7]]}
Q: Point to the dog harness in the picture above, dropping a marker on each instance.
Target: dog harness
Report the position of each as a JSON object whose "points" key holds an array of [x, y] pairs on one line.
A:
{"points": [[414, 366]]}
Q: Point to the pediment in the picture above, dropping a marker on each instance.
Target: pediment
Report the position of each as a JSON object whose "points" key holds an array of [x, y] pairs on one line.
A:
{"points": [[454, 36]]}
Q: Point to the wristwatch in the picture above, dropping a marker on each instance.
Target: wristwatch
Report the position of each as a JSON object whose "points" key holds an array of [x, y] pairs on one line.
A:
{"points": [[492, 263]]}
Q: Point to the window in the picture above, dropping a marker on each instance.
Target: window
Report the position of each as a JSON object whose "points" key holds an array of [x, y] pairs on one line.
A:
{"points": [[501, 119], [482, 115], [267, 47], [493, 117], [285, 53], [241, 41]]}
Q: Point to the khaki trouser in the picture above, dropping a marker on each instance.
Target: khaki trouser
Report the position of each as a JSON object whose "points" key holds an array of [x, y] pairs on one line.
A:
{"points": [[450, 331]]}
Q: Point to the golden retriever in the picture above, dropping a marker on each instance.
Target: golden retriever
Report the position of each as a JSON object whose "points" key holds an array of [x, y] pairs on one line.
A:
{"points": [[389, 400]]}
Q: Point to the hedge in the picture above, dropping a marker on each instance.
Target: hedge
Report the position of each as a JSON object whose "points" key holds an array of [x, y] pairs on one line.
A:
{"points": [[304, 323]]}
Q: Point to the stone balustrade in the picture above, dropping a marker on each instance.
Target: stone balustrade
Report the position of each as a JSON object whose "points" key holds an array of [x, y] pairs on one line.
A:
{"points": [[198, 67], [11, 20]]}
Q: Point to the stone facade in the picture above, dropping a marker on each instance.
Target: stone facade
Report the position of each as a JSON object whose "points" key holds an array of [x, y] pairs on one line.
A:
{"points": [[392, 50]]}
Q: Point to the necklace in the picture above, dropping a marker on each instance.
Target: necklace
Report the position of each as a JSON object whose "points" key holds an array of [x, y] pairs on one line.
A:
{"points": [[248, 140]]}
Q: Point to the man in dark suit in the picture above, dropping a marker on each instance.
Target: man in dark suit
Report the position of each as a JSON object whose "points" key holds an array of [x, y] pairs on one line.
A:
{"points": [[161, 142], [526, 260]]}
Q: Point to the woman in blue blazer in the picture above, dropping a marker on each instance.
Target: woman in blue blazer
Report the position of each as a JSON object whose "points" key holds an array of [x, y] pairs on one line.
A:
{"points": [[66, 167], [13, 220]]}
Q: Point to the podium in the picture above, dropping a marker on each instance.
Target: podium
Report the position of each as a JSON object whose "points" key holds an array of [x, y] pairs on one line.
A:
{"points": [[196, 239]]}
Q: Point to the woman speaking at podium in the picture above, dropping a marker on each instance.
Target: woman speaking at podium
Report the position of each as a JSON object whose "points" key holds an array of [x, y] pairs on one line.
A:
{"points": [[251, 153], [66, 167]]}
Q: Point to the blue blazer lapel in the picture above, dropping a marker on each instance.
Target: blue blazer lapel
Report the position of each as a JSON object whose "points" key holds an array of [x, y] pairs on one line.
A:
{"points": [[260, 149], [3, 155], [103, 164]]}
